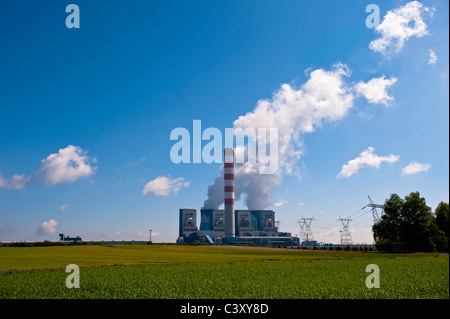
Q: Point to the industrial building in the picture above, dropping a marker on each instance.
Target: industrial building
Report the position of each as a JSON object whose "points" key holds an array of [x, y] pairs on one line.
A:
{"points": [[250, 227], [69, 239], [230, 226]]}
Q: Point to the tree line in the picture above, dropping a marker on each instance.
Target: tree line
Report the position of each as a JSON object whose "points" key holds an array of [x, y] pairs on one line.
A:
{"points": [[409, 225]]}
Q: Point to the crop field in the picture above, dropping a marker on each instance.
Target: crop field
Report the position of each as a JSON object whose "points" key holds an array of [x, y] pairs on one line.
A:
{"points": [[169, 271]]}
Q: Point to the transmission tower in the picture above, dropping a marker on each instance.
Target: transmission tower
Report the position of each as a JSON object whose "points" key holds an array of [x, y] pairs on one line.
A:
{"points": [[375, 215], [302, 234], [346, 237], [305, 228]]}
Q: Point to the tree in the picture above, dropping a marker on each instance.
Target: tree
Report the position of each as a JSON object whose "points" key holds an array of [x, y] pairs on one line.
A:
{"points": [[442, 222], [387, 230], [441, 213], [410, 222], [416, 224]]}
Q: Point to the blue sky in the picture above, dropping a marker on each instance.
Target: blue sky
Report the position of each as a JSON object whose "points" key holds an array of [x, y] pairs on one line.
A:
{"points": [[116, 87]]}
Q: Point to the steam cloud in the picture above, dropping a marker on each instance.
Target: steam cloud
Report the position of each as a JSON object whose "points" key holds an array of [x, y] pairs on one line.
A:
{"points": [[247, 180], [325, 97]]}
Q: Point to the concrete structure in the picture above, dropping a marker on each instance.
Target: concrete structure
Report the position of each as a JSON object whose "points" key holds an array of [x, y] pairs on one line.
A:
{"points": [[230, 226], [229, 192], [188, 224], [250, 227]]}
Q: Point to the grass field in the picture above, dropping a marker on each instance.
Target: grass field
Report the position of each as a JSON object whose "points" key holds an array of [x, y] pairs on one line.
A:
{"points": [[169, 271]]}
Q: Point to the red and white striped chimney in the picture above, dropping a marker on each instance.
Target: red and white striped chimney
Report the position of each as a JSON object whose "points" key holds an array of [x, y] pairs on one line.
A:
{"points": [[229, 191]]}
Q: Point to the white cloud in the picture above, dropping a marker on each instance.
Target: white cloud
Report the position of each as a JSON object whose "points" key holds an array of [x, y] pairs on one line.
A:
{"points": [[163, 186], [301, 204], [375, 90], [280, 203], [432, 57], [325, 97], [47, 228], [415, 167], [63, 207], [399, 25], [17, 182], [365, 159], [68, 165]]}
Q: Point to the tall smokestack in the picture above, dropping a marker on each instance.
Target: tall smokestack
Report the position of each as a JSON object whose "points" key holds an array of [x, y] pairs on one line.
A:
{"points": [[229, 191]]}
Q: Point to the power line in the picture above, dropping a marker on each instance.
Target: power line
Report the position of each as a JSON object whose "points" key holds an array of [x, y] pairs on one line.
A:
{"points": [[364, 221], [326, 225], [357, 218], [366, 212], [355, 213]]}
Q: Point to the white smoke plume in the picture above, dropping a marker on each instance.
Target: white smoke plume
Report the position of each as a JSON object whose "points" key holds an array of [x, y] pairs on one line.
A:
{"points": [[248, 181], [325, 97]]}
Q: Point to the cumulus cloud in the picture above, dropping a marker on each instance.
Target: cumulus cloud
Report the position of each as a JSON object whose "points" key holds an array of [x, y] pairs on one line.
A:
{"points": [[163, 186], [325, 97], [365, 159], [68, 165], [47, 228], [295, 111], [301, 204], [415, 167], [432, 57], [399, 25], [63, 207], [375, 90], [17, 182]]}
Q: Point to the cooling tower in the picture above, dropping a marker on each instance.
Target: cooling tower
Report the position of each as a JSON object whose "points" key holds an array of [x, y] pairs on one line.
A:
{"points": [[229, 191]]}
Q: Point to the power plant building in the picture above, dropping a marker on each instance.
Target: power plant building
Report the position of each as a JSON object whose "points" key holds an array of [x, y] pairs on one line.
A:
{"points": [[230, 226], [250, 227]]}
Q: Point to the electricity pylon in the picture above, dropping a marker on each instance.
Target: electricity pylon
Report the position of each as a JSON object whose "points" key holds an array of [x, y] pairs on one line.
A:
{"points": [[375, 215], [305, 228], [302, 235], [346, 237]]}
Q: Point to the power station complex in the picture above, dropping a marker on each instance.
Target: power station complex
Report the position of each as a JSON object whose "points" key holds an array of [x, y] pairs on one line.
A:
{"points": [[231, 226]]}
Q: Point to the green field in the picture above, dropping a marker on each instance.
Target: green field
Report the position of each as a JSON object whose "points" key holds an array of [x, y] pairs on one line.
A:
{"points": [[169, 271]]}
